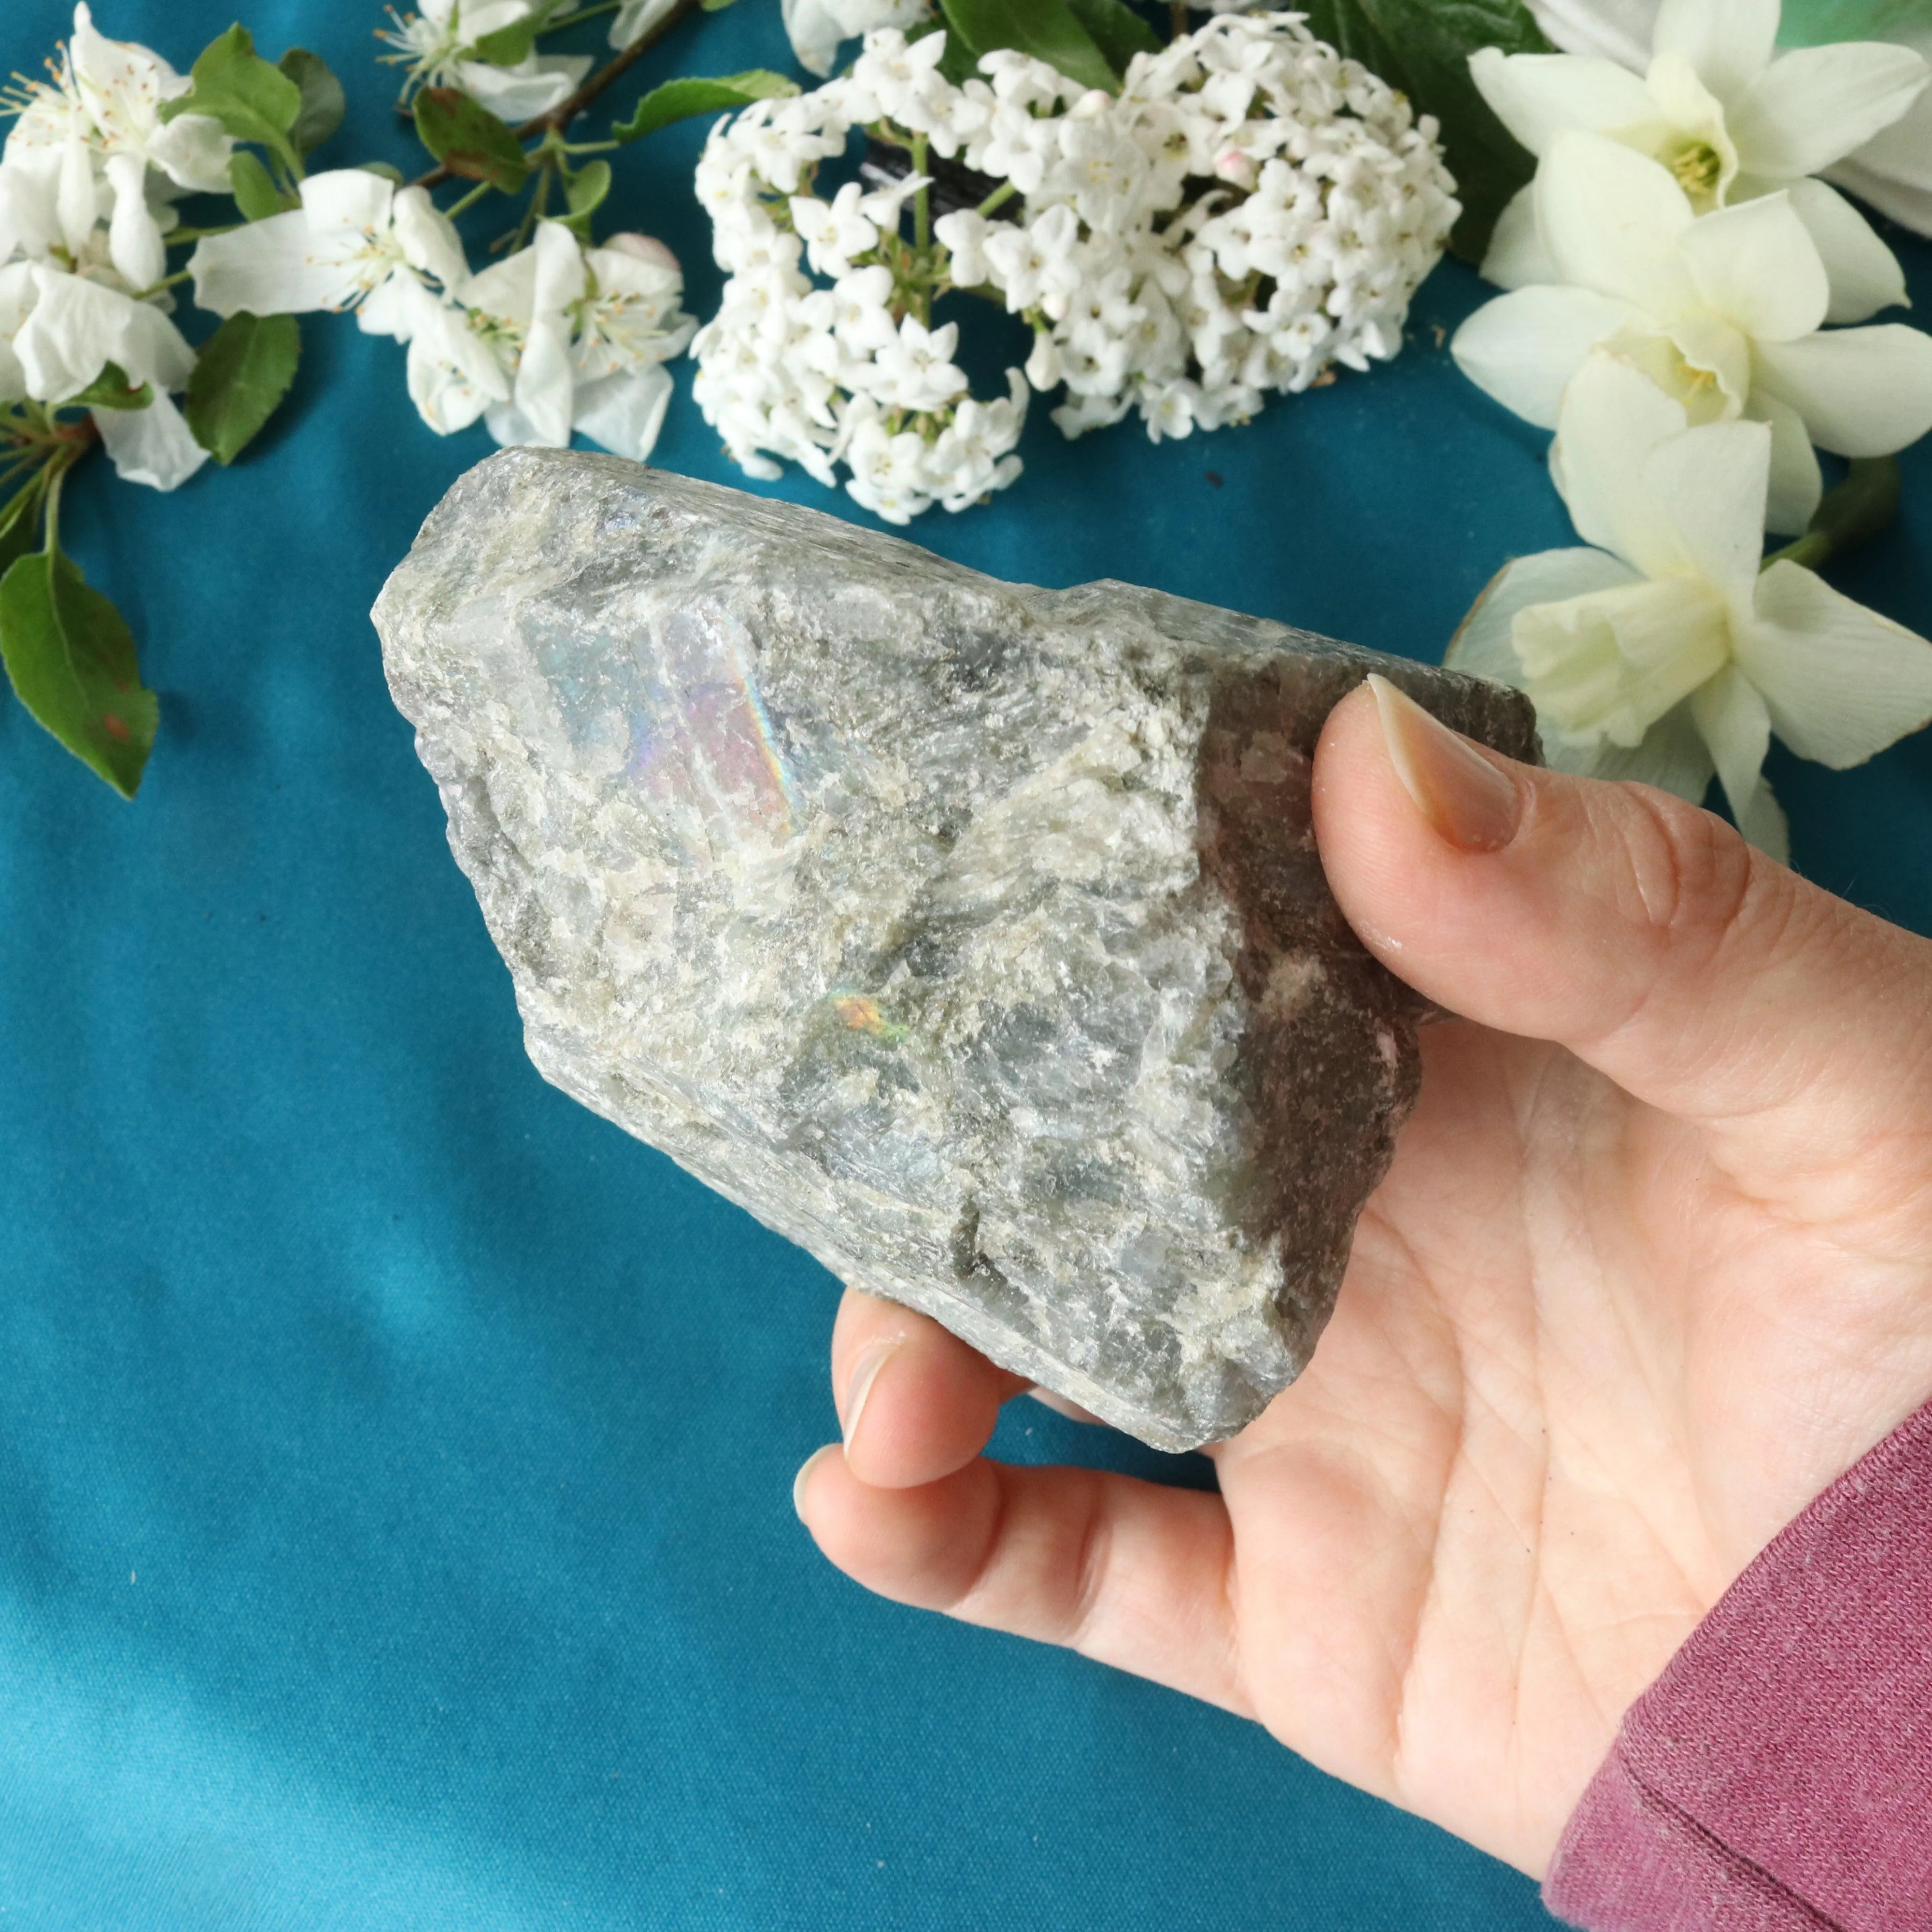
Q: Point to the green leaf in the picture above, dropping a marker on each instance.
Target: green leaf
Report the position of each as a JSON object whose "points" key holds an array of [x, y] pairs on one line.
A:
{"points": [[322, 104], [255, 195], [242, 374], [715, 6], [1117, 30], [111, 389], [585, 191], [1813, 23], [71, 658], [1047, 29], [468, 139], [508, 45], [252, 99], [679, 99], [1422, 47]]}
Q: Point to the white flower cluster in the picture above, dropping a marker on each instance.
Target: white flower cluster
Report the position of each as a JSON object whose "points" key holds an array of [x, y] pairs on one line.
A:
{"points": [[1251, 209], [853, 372], [556, 337], [88, 181], [438, 46]]}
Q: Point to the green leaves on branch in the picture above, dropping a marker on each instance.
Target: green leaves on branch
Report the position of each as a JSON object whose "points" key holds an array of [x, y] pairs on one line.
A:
{"points": [[1049, 30], [1423, 48], [257, 197], [679, 99], [252, 99], [323, 102], [469, 140], [1118, 30], [71, 659], [240, 378]]}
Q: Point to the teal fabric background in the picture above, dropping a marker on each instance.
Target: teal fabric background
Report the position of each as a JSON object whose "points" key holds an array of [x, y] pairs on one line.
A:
{"points": [[394, 1459]]}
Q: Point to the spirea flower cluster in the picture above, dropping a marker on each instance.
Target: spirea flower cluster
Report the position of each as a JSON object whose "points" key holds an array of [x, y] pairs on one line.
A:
{"points": [[1251, 210]]}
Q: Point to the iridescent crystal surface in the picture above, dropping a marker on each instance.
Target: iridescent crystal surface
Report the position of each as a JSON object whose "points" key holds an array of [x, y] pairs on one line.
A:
{"points": [[971, 935]]}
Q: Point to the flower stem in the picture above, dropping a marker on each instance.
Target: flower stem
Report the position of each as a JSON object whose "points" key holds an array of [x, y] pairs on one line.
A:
{"points": [[921, 208], [1000, 196], [179, 276], [567, 110], [1852, 513], [467, 201], [1177, 16]]}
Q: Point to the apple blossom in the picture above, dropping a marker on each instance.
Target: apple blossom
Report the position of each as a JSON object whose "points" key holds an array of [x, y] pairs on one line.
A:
{"points": [[439, 45]]}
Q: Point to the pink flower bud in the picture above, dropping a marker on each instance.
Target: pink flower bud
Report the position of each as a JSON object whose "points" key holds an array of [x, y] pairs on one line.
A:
{"points": [[1231, 165]]}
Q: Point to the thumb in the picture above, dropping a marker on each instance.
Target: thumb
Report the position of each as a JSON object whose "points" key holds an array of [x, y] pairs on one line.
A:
{"points": [[1641, 933]]}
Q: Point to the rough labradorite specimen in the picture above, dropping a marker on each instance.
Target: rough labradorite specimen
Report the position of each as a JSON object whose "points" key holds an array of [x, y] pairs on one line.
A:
{"points": [[971, 935]]}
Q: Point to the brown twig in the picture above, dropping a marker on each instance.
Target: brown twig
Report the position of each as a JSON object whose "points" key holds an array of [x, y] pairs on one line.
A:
{"points": [[567, 110]]}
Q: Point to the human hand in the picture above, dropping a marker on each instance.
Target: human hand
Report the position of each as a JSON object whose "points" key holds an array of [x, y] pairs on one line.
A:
{"points": [[1652, 1267]]}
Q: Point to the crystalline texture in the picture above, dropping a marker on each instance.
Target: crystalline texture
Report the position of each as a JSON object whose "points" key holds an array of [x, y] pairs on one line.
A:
{"points": [[970, 934]]}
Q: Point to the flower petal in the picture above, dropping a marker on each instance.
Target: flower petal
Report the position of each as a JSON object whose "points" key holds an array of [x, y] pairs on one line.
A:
{"points": [[1841, 682], [1608, 216], [1731, 717], [1861, 391], [1865, 274], [534, 86], [636, 18], [192, 151], [1797, 485], [1524, 347], [154, 445], [152, 349], [1517, 257], [270, 268], [1618, 29], [1893, 172], [625, 411], [1813, 106], [74, 331], [134, 243], [1612, 416], [1536, 96], [1729, 42], [1708, 485], [350, 199], [1673, 757], [428, 239], [1757, 265], [28, 220], [1481, 646]]}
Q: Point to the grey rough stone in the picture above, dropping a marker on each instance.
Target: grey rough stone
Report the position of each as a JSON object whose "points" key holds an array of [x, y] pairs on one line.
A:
{"points": [[971, 935]]}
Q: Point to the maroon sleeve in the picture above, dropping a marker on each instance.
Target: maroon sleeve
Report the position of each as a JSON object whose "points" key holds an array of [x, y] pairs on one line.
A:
{"points": [[1777, 1778]]}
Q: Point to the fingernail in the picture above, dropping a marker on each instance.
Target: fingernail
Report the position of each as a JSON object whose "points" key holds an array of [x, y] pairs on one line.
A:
{"points": [[1470, 802], [865, 1373], [805, 1470]]}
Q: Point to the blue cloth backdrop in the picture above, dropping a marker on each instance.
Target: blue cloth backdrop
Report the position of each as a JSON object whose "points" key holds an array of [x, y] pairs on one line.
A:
{"points": [[394, 1459]]}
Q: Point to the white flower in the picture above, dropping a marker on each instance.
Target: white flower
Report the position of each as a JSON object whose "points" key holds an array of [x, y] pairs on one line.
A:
{"points": [[915, 369], [438, 44], [834, 231], [1728, 122], [1723, 310], [554, 339], [1665, 654], [357, 242], [1890, 171], [817, 27], [69, 329], [91, 143]]}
